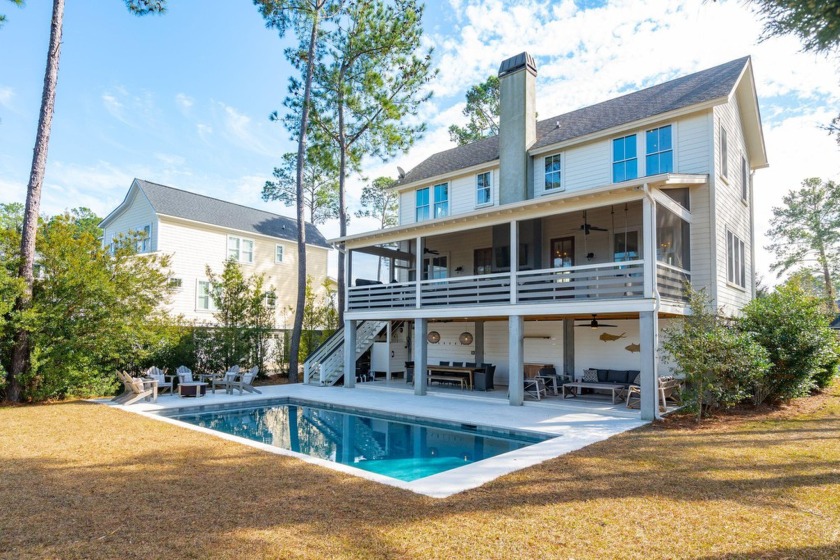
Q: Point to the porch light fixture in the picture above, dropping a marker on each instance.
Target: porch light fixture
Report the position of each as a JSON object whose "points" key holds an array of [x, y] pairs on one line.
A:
{"points": [[590, 256], [433, 337], [465, 338]]}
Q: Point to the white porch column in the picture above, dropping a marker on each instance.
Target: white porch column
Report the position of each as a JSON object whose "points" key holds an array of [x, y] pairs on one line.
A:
{"points": [[388, 362], [348, 273], [349, 353], [514, 258], [516, 363], [418, 270], [649, 244], [648, 335], [420, 327]]}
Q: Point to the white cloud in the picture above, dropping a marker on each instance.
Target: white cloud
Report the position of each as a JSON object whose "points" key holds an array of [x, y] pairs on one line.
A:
{"points": [[114, 106], [7, 94], [184, 101], [247, 135]]}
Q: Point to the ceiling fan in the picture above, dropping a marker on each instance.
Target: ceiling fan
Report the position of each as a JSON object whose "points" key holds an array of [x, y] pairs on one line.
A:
{"points": [[594, 324], [586, 227], [427, 251]]}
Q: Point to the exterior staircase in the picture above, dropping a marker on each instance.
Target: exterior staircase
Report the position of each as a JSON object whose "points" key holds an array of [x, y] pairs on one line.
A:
{"points": [[325, 366]]}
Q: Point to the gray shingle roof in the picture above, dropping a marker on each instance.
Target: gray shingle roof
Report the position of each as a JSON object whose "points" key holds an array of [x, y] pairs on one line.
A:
{"points": [[200, 208], [700, 87]]}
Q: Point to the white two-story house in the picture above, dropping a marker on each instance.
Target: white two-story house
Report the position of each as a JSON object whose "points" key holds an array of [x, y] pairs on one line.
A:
{"points": [[198, 231], [594, 219]]}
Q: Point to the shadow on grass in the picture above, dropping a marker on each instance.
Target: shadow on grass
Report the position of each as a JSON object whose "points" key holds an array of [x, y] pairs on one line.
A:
{"points": [[91, 481]]}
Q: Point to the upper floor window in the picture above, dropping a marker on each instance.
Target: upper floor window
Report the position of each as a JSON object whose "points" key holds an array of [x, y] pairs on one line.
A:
{"points": [[552, 172], [724, 153], [278, 254], [241, 249], [270, 299], [144, 243], [625, 165], [204, 296], [422, 204], [483, 189], [745, 180], [659, 153], [441, 200], [735, 269]]}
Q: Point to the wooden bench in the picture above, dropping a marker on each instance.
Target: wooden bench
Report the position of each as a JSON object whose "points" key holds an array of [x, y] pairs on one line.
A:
{"points": [[462, 381]]}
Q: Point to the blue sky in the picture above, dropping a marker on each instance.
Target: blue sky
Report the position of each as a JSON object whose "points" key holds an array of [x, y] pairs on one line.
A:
{"points": [[183, 99]]}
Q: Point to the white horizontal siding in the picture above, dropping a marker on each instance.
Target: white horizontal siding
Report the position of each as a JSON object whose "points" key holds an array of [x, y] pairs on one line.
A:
{"points": [[193, 247], [692, 144], [731, 211], [138, 214]]}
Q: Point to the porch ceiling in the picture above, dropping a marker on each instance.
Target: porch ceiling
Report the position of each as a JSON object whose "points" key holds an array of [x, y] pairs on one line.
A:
{"points": [[544, 317], [534, 208]]}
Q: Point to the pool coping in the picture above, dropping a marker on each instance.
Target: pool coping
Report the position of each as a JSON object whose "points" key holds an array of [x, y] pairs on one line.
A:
{"points": [[576, 429]]}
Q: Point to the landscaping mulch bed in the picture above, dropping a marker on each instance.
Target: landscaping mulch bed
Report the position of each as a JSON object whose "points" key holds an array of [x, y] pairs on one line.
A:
{"points": [[80, 480]]}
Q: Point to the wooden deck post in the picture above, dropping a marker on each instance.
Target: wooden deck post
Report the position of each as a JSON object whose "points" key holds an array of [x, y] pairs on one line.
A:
{"points": [[516, 364]]}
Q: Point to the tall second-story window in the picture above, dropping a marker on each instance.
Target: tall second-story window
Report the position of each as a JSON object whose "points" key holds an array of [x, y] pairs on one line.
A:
{"points": [[724, 153], [552, 172], [483, 189], [241, 249], [441, 200], [278, 254], [745, 180], [204, 296], [735, 269], [422, 204], [659, 153], [144, 244], [625, 164]]}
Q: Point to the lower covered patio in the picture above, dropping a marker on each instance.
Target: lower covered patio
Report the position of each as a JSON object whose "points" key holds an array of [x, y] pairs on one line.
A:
{"points": [[610, 349]]}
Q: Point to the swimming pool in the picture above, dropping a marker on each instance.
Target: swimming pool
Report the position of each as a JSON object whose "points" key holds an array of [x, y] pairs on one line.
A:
{"points": [[400, 447]]}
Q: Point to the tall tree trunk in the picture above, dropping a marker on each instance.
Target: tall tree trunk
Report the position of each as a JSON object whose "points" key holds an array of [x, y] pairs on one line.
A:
{"points": [[297, 329], [342, 207], [20, 353], [829, 283]]}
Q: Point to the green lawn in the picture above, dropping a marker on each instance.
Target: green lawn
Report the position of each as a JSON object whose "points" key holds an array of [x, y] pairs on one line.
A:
{"points": [[79, 480]]}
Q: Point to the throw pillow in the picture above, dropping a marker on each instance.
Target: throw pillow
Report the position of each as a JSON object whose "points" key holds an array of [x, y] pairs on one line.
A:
{"points": [[637, 380], [590, 376]]}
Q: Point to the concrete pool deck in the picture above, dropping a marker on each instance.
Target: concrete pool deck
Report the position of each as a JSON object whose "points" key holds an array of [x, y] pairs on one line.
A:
{"points": [[576, 424]]}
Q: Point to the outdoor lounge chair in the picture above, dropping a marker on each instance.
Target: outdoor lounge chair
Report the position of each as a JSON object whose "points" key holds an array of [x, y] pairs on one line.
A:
{"points": [[245, 381], [136, 389], [669, 389], [157, 374], [534, 387], [227, 379], [550, 378]]}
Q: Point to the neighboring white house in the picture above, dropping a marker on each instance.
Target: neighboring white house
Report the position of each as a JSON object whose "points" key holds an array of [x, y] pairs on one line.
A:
{"points": [[199, 231], [603, 213]]}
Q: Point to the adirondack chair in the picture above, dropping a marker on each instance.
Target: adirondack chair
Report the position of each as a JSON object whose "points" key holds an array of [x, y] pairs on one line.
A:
{"points": [[157, 374], [227, 380], [246, 381], [136, 389], [184, 374]]}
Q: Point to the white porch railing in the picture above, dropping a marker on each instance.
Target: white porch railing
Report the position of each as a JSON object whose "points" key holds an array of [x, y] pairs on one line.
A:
{"points": [[671, 280], [606, 281]]}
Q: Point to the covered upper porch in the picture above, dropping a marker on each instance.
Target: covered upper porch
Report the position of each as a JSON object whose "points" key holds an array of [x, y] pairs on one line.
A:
{"points": [[617, 248]]}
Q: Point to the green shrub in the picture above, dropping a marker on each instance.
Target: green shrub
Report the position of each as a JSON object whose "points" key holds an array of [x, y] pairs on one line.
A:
{"points": [[719, 363], [792, 326]]}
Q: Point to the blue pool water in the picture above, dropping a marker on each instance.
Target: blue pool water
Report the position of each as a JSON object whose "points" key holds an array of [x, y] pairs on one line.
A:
{"points": [[401, 448]]}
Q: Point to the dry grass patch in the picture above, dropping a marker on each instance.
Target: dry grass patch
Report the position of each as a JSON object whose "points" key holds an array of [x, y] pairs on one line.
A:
{"points": [[79, 480]]}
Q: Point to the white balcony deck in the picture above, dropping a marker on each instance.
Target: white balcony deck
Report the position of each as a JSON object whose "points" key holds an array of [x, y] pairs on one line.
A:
{"points": [[607, 281]]}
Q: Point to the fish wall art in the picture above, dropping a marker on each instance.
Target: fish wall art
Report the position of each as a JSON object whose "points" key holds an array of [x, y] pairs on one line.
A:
{"points": [[633, 347], [606, 337]]}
